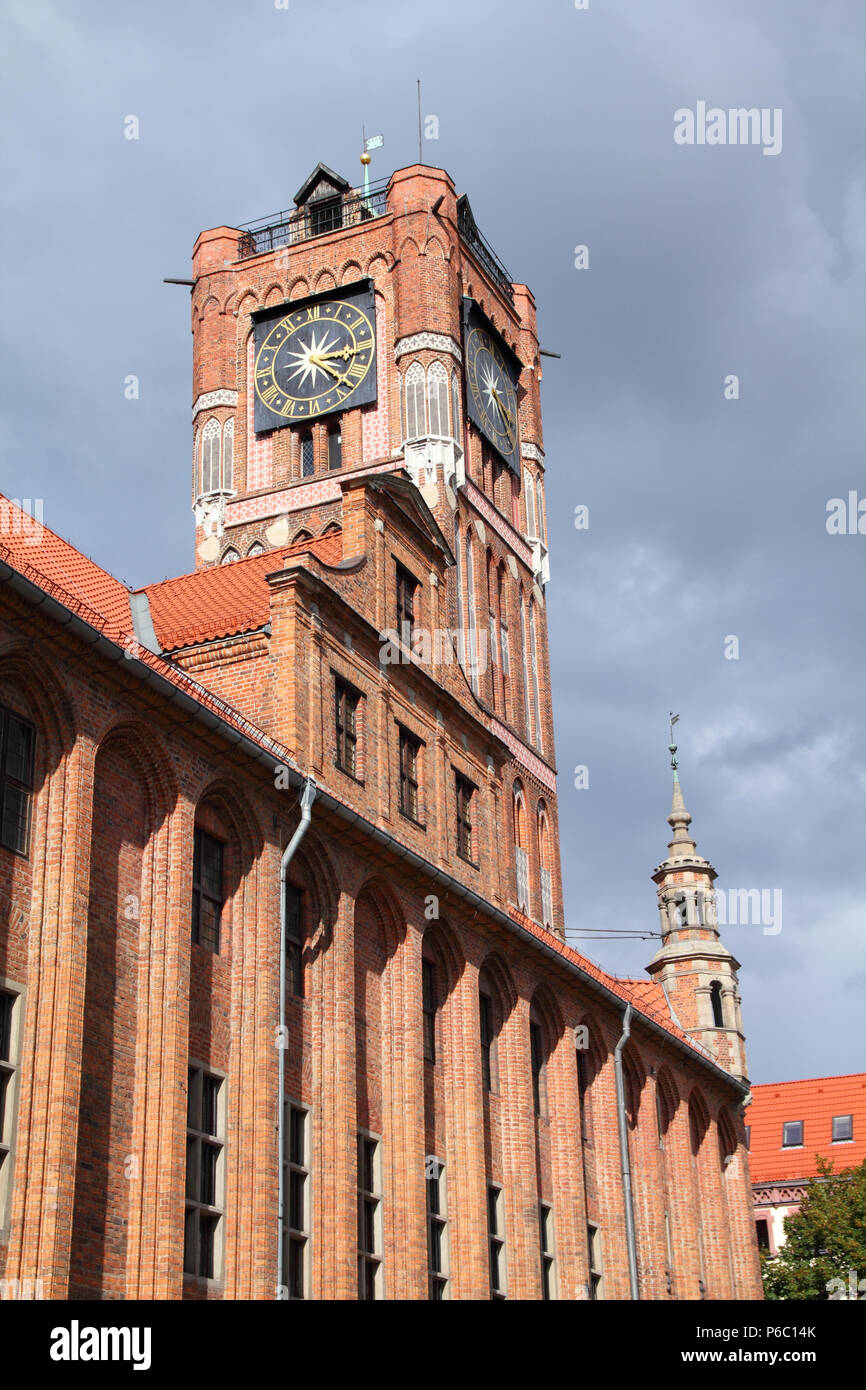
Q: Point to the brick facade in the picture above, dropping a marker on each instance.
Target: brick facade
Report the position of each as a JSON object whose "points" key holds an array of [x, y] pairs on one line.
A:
{"points": [[141, 755]]}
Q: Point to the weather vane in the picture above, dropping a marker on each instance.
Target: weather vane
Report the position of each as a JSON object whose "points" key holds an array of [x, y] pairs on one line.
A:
{"points": [[672, 747]]}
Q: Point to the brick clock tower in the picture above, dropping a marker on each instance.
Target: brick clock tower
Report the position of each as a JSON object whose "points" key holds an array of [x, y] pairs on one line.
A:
{"points": [[374, 331]]}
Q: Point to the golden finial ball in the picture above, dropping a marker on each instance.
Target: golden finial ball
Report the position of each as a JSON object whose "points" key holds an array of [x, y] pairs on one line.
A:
{"points": [[365, 159]]}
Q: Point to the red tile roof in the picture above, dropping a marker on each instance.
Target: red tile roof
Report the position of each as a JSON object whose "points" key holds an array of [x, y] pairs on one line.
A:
{"points": [[815, 1102], [38, 553], [228, 599]]}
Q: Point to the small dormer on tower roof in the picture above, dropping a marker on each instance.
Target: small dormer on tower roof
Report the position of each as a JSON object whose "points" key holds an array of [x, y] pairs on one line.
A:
{"points": [[322, 183]]}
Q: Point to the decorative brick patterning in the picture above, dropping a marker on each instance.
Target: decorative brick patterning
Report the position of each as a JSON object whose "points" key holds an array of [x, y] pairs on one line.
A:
{"points": [[260, 448]]}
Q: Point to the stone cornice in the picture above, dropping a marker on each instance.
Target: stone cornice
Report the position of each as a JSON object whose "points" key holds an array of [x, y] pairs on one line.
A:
{"points": [[214, 398], [432, 342]]}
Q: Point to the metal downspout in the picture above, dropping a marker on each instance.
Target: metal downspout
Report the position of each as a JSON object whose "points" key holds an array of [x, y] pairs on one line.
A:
{"points": [[624, 1156], [308, 796]]}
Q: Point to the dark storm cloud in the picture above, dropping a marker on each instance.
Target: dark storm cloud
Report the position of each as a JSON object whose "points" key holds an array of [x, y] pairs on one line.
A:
{"points": [[707, 516]]}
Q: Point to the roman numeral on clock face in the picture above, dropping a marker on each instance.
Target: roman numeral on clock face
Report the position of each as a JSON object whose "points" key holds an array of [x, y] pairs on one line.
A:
{"points": [[357, 370], [269, 395]]}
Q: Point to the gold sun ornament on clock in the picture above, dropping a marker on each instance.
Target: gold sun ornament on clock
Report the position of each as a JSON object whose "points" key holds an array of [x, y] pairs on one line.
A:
{"points": [[314, 360]]}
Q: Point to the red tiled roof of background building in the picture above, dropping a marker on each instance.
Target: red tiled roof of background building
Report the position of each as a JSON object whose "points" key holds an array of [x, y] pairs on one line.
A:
{"points": [[815, 1101], [213, 603]]}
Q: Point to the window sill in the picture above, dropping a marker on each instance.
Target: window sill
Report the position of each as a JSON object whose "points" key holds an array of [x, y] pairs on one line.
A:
{"points": [[418, 824], [473, 864], [201, 1281], [359, 781], [841, 1141]]}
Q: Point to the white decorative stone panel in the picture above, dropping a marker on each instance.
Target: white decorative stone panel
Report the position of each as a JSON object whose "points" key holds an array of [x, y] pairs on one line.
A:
{"points": [[531, 451], [433, 342], [212, 398]]}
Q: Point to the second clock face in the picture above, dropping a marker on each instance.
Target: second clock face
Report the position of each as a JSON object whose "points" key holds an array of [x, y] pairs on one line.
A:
{"points": [[315, 359], [491, 388]]}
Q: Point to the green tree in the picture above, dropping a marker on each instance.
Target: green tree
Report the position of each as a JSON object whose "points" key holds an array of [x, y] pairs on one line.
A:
{"points": [[824, 1241]]}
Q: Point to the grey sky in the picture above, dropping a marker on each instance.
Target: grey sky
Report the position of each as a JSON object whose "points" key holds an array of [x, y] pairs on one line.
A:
{"points": [[707, 516]]}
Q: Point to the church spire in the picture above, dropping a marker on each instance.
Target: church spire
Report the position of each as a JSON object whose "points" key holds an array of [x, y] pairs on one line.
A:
{"points": [[696, 971]]}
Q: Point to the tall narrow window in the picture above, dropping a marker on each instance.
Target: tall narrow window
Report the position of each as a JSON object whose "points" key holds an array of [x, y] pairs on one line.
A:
{"points": [[228, 453], [17, 744], [596, 1285], [346, 727], [521, 856], [470, 610], [409, 758], [428, 1005], [502, 607], [533, 656], [485, 1013], [437, 1227], [335, 447], [416, 423], [496, 1242], [437, 400], [9, 1051], [536, 1049], [204, 1174], [716, 1003], [529, 490], [207, 890], [524, 643], [369, 1218], [465, 792], [456, 422], [583, 1095], [297, 1188], [458, 565], [294, 941], [210, 457], [307, 455], [548, 1254], [542, 516], [407, 589], [544, 869]]}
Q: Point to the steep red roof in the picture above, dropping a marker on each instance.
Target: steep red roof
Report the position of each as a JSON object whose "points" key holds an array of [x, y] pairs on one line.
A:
{"points": [[227, 599], [35, 551], [815, 1102]]}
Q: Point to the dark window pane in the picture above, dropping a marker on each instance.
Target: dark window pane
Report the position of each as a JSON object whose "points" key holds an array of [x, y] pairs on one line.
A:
{"points": [[435, 1244], [6, 1002], [297, 1128], [191, 1166], [209, 1091], [296, 1268], [19, 750], [366, 1156], [335, 449], [792, 1133], [207, 1240], [843, 1128], [16, 808], [190, 1243], [208, 1177], [306, 456], [428, 977], [296, 1201]]}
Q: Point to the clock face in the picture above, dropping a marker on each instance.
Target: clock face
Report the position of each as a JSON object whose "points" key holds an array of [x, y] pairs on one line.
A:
{"points": [[491, 390], [318, 358]]}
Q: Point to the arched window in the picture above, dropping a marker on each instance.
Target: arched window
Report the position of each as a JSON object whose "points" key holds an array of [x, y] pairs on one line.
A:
{"points": [[335, 446], [524, 642], [229, 556], [492, 619], [458, 557], [533, 656], [437, 399], [716, 1002], [544, 868], [210, 457], [416, 424], [255, 549], [502, 603], [529, 489], [456, 422], [307, 455], [228, 453], [302, 536], [521, 855]]}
